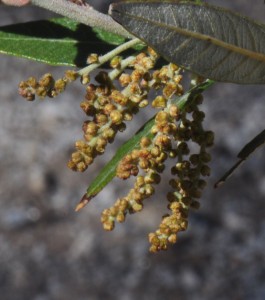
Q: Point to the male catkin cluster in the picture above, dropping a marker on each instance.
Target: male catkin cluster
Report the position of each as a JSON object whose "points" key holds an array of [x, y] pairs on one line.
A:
{"points": [[111, 99]]}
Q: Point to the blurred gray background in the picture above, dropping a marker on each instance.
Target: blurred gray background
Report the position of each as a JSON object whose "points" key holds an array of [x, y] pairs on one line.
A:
{"points": [[49, 252]]}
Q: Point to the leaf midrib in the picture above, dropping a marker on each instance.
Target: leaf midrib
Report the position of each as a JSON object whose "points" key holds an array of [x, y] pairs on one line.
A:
{"points": [[42, 40], [199, 36]]}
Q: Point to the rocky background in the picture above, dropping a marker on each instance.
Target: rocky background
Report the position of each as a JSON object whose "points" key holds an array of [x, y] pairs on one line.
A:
{"points": [[49, 252]]}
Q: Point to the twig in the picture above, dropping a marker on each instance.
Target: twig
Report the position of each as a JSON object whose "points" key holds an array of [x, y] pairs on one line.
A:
{"points": [[83, 14], [105, 58]]}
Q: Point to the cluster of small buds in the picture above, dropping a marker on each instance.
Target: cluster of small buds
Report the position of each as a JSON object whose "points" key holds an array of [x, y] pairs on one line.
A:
{"points": [[150, 160], [169, 138], [110, 101], [188, 172], [152, 153], [109, 107], [47, 86]]}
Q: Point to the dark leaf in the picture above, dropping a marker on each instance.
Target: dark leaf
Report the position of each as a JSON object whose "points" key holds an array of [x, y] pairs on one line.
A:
{"points": [[108, 37], [212, 42], [248, 149]]}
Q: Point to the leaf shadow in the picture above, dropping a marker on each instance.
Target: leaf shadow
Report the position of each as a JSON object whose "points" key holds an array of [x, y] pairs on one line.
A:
{"points": [[86, 39]]}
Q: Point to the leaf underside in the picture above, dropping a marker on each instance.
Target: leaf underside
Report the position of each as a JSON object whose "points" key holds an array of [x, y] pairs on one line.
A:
{"points": [[212, 42], [58, 41]]}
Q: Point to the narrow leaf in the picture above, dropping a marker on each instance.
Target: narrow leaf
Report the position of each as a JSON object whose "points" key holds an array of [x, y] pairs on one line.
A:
{"points": [[108, 37], [109, 171], [249, 148], [212, 42], [57, 41]]}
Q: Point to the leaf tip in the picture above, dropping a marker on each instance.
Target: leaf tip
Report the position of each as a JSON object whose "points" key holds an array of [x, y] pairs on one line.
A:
{"points": [[219, 183], [83, 202]]}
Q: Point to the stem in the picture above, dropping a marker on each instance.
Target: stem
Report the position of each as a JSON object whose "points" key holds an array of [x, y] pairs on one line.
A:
{"points": [[83, 14], [105, 58], [124, 64]]}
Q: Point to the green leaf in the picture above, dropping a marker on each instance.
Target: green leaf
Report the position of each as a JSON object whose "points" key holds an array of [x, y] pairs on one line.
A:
{"points": [[57, 41], [212, 42], [109, 171], [108, 37], [114, 39]]}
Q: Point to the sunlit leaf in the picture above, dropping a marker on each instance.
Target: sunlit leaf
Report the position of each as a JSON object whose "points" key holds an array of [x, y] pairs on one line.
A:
{"points": [[213, 42], [58, 41]]}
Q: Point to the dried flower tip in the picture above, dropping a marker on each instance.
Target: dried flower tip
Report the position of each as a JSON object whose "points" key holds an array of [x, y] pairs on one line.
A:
{"points": [[83, 202]]}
